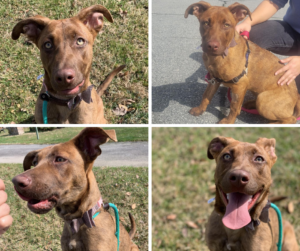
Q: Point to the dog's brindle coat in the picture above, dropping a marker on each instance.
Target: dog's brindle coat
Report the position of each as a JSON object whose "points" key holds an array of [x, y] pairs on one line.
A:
{"points": [[279, 104], [62, 178], [245, 168], [66, 51]]}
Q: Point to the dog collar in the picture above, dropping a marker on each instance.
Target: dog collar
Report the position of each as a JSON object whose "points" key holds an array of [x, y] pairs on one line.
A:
{"points": [[213, 80], [72, 102], [264, 217], [87, 218]]}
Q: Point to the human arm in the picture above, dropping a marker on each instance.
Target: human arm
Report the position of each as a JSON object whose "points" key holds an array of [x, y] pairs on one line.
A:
{"points": [[263, 12]]}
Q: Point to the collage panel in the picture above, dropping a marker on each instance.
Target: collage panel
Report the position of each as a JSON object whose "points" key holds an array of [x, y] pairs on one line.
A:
{"points": [[205, 72], [65, 187], [212, 188], [74, 62]]}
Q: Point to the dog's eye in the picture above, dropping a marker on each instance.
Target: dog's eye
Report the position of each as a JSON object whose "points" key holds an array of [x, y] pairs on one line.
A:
{"points": [[48, 45], [205, 23], [60, 159], [226, 25], [80, 41], [34, 163], [226, 156], [259, 159]]}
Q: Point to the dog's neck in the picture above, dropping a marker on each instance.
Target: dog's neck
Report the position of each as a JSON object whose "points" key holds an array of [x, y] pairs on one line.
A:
{"points": [[89, 198]]}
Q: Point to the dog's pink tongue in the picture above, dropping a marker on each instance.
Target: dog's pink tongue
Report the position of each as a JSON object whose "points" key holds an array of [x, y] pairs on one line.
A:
{"points": [[237, 214]]}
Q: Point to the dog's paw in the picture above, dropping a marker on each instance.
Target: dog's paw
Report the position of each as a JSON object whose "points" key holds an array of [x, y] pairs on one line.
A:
{"points": [[225, 121], [196, 111]]}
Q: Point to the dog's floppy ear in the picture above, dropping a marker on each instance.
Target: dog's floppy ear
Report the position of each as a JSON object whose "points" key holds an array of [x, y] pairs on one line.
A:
{"points": [[27, 162], [89, 140], [197, 9], [269, 146], [217, 145], [239, 11], [92, 17], [31, 27]]}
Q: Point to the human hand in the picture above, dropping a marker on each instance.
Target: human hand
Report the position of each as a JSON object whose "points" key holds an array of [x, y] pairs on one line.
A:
{"points": [[5, 219], [291, 69], [244, 26]]}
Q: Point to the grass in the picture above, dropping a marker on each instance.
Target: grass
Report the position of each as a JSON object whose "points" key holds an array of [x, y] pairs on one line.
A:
{"points": [[123, 42], [32, 232], [64, 134], [182, 175]]}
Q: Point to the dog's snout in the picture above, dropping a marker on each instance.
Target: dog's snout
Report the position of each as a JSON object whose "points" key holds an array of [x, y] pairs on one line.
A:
{"points": [[213, 45], [65, 76], [239, 178], [21, 181]]}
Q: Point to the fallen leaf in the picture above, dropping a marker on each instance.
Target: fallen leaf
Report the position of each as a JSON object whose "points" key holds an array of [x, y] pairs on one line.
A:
{"points": [[192, 224], [290, 207], [171, 217], [128, 193], [121, 110], [212, 188], [201, 221], [133, 206], [122, 219], [184, 232], [137, 176]]}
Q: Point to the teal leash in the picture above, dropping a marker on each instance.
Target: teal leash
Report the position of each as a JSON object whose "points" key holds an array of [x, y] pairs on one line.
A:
{"points": [[117, 222], [45, 118], [279, 244]]}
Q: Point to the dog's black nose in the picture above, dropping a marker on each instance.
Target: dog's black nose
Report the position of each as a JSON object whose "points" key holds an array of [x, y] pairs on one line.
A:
{"points": [[239, 178], [21, 181]]}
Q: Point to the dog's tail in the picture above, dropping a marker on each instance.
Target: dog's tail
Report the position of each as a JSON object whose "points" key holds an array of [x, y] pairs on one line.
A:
{"points": [[101, 88], [133, 226]]}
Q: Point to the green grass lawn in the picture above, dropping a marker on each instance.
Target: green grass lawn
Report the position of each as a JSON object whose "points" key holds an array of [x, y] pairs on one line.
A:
{"points": [[123, 42], [32, 232], [182, 175], [64, 134]]}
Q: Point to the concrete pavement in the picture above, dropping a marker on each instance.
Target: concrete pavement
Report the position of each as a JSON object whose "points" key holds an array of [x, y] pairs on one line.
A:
{"points": [[177, 67], [134, 154]]}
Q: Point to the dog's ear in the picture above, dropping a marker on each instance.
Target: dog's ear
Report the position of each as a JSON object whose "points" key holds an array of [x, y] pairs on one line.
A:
{"points": [[31, 27], [92, 17], [269, 146], [239, 11], [197, 9], [27, 162], [217, 145], [89, 140]]}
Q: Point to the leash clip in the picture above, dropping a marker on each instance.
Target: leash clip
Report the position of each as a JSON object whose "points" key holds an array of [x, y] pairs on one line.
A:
{"points": [[45, 96]]}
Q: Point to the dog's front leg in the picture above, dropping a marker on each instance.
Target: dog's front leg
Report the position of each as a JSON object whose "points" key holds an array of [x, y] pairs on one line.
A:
{"points": [[238, 93], [207, 96]]}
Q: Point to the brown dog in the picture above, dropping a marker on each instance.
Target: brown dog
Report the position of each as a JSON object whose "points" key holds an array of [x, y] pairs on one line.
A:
{"points": [[66, 49], [227, 59], [62, 177], [242, 220]]}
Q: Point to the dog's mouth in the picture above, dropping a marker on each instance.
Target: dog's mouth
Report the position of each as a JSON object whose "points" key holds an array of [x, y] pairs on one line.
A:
{"points": [[40, 206], [238, 206], [72, 91]]}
